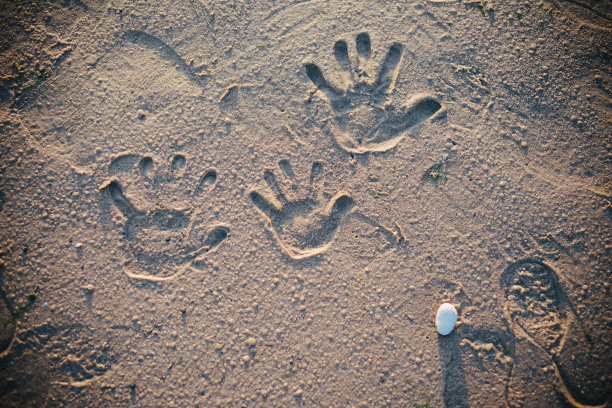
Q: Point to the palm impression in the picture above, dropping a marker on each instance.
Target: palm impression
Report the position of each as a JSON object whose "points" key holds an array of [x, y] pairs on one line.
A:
{"points": [[162, 236], [365, 117], [302, 222]]}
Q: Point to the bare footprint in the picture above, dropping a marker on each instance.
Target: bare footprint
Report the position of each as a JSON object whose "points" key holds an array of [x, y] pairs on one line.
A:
{"points": [[7, 324], [366, 120], [476, 360], [65, 355], [304, 226], [592, 13], [476, 366], [487, 355], [164, 240], [538, 310], [165, 52]]}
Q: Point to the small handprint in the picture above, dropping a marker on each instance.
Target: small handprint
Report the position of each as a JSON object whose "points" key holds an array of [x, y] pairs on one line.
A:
{"points": [[366, 120], [304, 227], [163, 240]]}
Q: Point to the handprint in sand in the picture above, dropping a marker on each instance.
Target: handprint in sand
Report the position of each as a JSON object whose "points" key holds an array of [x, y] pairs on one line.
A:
{"points": [[162, 234], [303, 224], [365, 117]]}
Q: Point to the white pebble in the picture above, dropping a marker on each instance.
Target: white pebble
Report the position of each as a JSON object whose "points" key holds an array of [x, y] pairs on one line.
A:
{"points": [[91, 60], [446, 318]]}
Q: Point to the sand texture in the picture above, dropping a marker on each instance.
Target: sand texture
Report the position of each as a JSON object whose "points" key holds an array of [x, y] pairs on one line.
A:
{"points": [[263, 203]]}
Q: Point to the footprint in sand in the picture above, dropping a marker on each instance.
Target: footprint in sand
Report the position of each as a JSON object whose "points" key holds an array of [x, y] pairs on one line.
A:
{"points": [[366, 119], [591, 13], [477, 363], [162, 235], [7, 324], [138, 71], [302, 224], [71, 356], [538, 311]]}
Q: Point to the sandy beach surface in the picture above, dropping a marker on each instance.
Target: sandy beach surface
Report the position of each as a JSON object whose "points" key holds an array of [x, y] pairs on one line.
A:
{"points": [[251, 203]]}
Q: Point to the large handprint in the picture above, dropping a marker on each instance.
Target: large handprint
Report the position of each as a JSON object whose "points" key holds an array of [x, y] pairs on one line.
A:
{"points": [[164, 240], [303, 226], [365, 118]]}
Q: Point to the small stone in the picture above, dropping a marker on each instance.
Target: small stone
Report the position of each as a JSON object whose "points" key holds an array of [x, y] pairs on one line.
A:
{"points": [[91, 60], [246, 359], [89, 287], [298, 393], [251, 342], [78, 245], [446, 318]]}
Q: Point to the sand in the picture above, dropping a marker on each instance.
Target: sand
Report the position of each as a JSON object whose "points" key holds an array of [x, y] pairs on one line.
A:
{"points": [[263, 203]]}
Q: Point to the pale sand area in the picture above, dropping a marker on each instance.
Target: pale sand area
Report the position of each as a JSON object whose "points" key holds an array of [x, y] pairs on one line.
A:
{"points": [[263, 203]]}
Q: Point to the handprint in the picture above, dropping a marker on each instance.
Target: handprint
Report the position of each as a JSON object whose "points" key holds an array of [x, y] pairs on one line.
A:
{"points": [[165, 240], [366, 120], [304, 227]]}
